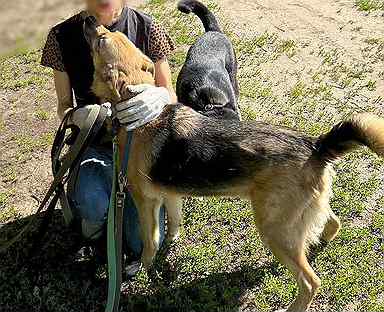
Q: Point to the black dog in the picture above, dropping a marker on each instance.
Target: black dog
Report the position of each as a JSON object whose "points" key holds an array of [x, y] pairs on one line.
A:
{"points": [[207, 82]]}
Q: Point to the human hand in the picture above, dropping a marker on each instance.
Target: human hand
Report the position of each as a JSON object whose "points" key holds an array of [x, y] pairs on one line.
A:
{"points": [[146, 106], [79, 115]]}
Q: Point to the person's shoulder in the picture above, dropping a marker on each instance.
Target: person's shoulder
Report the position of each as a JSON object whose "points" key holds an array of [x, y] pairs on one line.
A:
{"points": [[71, 23], [140, 14]]}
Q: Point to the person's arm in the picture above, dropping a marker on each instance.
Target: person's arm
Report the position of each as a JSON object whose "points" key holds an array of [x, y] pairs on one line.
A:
{"points": [[150, 101], [52, 58], [63, 92], [160, 47], [163, 77]]}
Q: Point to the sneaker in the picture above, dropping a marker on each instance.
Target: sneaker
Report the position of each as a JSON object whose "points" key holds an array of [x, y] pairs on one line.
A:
{"points": [[131, 269]]}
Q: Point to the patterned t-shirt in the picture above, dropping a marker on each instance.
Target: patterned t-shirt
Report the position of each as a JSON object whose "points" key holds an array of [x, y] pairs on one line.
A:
{"points": [[66, 49], [160, 46]]}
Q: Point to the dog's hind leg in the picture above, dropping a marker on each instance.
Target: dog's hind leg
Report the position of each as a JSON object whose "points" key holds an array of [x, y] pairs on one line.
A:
{"points": [[328, 234], [173, 205], [288, 244], [308, 282], [331, 228], [292, 255]]}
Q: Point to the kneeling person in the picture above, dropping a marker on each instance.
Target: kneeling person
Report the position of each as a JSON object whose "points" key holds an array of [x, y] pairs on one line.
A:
{"points": [[68, 54]]}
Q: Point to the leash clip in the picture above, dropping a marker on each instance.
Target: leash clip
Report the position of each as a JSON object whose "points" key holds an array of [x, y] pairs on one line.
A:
{"points": [[123, 182], [120, 200]]}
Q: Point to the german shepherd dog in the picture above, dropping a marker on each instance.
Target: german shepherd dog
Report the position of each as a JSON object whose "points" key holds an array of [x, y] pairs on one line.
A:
{"points": [[207, 82], [285, 174]]}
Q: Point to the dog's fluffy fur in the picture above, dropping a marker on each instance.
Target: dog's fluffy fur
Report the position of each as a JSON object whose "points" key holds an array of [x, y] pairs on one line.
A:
{"points": [[285, 174], [207, 82]]}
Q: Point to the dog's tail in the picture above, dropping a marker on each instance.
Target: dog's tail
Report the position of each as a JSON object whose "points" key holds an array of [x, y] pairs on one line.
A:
{"points": [[364, 129], [206, 16]]}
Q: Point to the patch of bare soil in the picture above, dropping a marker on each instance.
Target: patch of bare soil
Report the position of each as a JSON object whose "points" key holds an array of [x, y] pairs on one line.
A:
{"points": [[313, 25]]}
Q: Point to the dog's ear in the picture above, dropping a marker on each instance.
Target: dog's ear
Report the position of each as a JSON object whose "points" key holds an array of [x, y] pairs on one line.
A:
{"points": [[148, 65]]}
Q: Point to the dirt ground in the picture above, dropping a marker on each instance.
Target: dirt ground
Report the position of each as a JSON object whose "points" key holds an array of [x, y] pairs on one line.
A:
{"points": [[312, 23]]}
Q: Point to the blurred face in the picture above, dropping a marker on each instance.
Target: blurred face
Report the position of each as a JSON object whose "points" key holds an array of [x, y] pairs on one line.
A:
{"points": [[104, 8]]}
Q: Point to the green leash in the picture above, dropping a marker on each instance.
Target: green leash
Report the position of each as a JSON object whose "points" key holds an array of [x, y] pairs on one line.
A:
{"points": [[115, 225]]}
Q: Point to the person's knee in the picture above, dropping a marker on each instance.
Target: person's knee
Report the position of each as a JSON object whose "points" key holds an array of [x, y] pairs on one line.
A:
{"points": [[93, 209]]}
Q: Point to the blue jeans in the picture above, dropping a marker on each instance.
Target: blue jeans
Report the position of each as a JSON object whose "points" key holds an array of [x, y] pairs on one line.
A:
{"points": [[90, 200]]}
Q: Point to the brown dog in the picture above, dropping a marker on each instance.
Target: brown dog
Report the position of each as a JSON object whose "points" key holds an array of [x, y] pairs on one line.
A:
{"points": [[285, 174]]}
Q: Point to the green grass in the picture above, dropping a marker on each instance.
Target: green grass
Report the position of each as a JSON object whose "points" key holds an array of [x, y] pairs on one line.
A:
{"points": [[27, 143], [374, 41], [22, 71], [7, 210], [370, 5], [219, 263], [42, 114], [3, 199], [9, 213], [298, 90], [288, 47]]}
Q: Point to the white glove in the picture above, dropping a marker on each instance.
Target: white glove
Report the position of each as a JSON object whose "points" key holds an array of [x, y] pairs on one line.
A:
{"points": [[79, 115], [146, 106]]}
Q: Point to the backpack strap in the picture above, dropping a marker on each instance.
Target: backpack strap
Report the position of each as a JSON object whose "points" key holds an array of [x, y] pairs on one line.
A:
{"points": [[61, 168]]}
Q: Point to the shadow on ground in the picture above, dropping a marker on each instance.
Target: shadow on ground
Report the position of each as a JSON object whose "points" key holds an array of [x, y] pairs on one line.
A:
{"points": [[47, 275]]}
